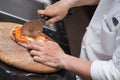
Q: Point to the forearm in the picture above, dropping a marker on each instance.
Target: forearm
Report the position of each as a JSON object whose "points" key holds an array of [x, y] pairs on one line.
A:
{"points": [[86, 2], [77, 66], [75, 3]]}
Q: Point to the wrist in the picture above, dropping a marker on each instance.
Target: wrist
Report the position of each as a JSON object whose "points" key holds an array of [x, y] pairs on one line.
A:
{"points": [[65, 61]]}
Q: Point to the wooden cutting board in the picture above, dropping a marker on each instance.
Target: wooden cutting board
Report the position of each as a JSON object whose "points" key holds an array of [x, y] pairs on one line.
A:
{"points": [[17, 56]]}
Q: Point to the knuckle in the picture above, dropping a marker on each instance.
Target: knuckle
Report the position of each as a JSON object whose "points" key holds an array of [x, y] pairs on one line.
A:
{"points": [[58, 18]]}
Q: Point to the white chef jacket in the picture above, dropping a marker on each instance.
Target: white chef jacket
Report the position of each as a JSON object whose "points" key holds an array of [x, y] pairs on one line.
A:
{"points": [[101, 42]]}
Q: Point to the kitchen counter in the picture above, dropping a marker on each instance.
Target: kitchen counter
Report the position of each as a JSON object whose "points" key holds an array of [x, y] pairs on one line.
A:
{"points": [[9, 73]]}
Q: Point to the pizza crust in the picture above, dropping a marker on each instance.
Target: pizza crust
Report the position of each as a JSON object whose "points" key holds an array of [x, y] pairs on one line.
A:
{"points": [[23, 44], [13, 38]]}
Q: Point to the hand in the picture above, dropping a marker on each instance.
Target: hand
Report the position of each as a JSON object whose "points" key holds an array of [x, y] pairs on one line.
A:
{"points": [[48, 53], [57, 11]]}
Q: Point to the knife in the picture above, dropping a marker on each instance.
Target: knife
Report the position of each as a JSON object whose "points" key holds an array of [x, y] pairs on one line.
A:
{"points": [[33, 28]]}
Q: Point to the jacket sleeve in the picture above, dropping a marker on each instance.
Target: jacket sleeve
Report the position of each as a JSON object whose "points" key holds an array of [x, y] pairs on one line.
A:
{"points": [[107, 70]]}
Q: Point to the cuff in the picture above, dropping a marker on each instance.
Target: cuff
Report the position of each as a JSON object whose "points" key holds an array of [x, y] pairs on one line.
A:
{"points": [[99, 70]]}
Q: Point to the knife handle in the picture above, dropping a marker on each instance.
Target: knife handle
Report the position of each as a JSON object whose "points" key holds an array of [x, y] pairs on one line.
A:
{"points": [[45, 17]]}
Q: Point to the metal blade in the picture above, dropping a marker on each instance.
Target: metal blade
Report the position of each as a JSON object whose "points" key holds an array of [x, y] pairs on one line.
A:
{"points": [[34, 27], [49, 26], [31, 28], [43, 19]]}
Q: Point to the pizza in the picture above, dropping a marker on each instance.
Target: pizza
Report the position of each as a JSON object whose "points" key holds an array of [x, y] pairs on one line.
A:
{"points": [[22, 40]]}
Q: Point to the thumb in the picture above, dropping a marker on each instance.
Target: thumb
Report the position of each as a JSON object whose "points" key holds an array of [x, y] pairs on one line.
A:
{"points": [[41, 12]]}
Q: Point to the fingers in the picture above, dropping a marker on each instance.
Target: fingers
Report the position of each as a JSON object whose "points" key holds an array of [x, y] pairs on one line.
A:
{"points": [[57, 11], [34, 45], [45, 61], [39, 59], [52, 42], [45, 12], [41, 11], [38, 56], [34, 53], [51, 20], [44, 53]]}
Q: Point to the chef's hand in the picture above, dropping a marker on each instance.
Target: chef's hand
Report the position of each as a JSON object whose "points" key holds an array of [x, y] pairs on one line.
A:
{"points": [[57, 11], [48, 53]]}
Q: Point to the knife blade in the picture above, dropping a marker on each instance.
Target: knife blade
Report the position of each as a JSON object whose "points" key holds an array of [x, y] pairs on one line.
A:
{"points": [[33, 28]]}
